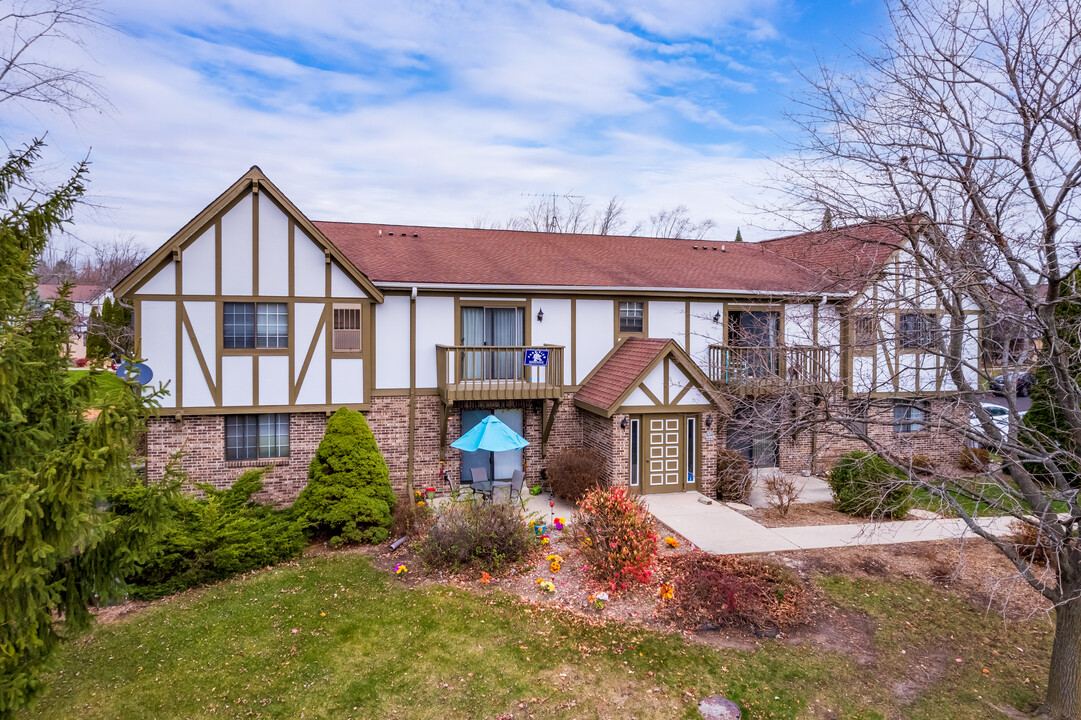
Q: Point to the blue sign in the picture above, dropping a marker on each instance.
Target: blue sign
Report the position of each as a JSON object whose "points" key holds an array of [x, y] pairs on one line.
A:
{"points": [[137, 373], [536, 357]]}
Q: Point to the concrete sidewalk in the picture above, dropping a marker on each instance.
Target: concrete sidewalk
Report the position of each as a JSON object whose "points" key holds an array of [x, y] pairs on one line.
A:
{"points": [[720, 530]]}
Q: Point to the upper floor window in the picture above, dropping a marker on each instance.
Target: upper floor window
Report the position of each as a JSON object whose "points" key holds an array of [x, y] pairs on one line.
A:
{"points": [[255, 325], [631, 317], [917, 331], [251, 437], [346, 336], [864, 331]]}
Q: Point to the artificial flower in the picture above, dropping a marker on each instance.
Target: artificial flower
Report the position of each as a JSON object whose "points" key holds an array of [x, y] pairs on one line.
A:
{"points": [[485, 578], [400, 569], [544, 539], [667, 591], [558, 523], [672, 542], [419, 503]]}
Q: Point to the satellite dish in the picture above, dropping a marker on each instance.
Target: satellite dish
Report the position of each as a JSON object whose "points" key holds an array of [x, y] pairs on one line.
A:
{"points": [[138, 373]]}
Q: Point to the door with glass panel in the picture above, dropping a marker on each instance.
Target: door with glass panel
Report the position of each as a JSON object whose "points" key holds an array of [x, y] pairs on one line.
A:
{"points": [[499, 328], [756, 334]]}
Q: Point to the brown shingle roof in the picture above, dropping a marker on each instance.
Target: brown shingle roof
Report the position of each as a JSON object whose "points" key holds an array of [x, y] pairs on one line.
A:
{"points": [[622, 368], [464, 256], [79, 293], [842, 258]]}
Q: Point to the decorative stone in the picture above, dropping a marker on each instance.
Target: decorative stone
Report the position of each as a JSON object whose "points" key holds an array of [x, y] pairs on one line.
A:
{"points": [[719, 708]]}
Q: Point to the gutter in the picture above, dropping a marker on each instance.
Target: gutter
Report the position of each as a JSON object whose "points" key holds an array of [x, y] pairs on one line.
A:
{"points": [[608, 288]]}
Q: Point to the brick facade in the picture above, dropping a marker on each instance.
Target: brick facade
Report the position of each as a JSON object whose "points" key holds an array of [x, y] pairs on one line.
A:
{"points": [[202, 439], [814, 449]]}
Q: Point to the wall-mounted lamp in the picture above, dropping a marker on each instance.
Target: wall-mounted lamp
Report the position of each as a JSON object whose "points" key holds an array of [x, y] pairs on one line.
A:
{"points": [[623, 424], [540, 315], [709, 420], [717, 317]]}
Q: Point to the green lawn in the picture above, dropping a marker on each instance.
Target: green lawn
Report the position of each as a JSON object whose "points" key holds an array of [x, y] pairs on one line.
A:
{"points": [[367, 646], [106, 384], [986, 490]]}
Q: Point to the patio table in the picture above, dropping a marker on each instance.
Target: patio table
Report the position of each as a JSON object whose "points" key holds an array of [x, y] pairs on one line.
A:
{"points": [[487, 487]]}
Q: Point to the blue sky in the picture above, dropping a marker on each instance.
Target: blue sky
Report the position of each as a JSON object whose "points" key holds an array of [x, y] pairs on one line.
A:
{"points": [[442, 112]]}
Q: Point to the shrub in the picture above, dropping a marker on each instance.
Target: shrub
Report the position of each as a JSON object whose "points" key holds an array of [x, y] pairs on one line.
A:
{"points": [[80, 362], [732, 591], [616, 536], [573, 473], [473, 533], [412, 519], [219, 536], [733, 476], [781, 492], [975, 459], [1031, 544], [348, 492], [867, 485]]}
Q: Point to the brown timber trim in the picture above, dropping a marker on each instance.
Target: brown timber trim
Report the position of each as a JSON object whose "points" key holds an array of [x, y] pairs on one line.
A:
{"points": [[211, 385], [255, 238], [266, 409], [308, 358]]}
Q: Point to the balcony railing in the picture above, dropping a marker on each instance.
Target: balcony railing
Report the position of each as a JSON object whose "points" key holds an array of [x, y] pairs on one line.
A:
{"points": [[770, 369], [478, 372]]}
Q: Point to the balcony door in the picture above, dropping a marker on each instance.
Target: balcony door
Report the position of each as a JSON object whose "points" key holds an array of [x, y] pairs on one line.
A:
{"points": [[760, 331], [493, 327]]}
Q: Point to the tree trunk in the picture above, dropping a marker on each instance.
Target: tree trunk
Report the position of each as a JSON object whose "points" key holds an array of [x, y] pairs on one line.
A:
{"points": [[1064, 677]]}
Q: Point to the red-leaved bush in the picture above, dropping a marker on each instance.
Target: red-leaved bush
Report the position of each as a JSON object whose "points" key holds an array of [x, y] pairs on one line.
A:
{"points": [[616, 537], [733, 591]]}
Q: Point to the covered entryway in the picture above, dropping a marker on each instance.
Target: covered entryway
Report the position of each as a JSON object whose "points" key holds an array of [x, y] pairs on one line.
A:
{"points": [[666, 402]]}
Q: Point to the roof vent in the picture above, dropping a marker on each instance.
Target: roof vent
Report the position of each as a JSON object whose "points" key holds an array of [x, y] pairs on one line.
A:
{"points": [[415, 235], [694, 247], [722, 249], [714, 248], [390, 233]]}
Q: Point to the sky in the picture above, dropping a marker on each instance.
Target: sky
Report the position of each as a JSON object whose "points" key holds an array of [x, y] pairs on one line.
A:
{"points": [[439, 113]]}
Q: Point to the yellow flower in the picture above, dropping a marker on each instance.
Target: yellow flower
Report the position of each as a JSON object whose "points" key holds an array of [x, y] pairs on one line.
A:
{"points": [[420, 502], [672, 541], [667, 591], [555, 566], [550, 558], [544, 539]]}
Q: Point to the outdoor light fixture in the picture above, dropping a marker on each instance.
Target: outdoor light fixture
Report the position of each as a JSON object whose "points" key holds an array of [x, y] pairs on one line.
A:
{"points": [[709, 420], [717, 317], [623, 424], [540, 315]]}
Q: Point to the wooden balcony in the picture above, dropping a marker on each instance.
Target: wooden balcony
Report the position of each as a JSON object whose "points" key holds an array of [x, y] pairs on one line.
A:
{"points": [[760, 370], [476, 372]]}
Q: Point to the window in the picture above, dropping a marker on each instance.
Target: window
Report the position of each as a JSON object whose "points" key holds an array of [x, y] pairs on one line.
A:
{"points": [[864, 331], [347, 328], [692, 448], [251, 437], [859, 411], [631, 317], [255, 325], [917, 331], [636, 451], [909, 417]]}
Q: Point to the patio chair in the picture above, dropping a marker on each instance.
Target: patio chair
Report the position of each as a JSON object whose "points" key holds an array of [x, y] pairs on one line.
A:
{"points": [[479, 476], [517, 482]]}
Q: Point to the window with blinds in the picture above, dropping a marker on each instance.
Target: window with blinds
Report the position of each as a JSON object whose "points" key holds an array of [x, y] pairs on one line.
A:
{"points": [[347, 319]]}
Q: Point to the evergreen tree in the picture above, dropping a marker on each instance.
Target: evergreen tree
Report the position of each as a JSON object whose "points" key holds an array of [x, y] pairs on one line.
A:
{"points": [[739, 236], [348, 494], [60, 543], [95, 343]]}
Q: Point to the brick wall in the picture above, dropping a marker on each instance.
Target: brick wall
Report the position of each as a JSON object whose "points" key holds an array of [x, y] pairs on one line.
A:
{"points": [[202, 438]]}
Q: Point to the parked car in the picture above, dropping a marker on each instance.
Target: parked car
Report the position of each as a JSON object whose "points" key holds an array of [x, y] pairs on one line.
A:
{"points": [[1000, 416], [1024, 383]]}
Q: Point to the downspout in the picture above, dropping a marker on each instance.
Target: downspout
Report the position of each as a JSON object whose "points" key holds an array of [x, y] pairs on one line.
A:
{"points": [[412, 389]]}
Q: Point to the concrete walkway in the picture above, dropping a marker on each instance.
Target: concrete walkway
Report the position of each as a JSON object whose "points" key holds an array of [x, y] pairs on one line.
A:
{"points": [[720, 530]]}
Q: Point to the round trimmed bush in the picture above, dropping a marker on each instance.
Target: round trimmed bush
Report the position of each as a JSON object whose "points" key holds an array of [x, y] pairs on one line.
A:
{"points": [[348, 492], [865, 484]]}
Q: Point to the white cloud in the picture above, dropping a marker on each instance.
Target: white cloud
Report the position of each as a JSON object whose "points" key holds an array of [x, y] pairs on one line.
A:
{"points": [[425, 114]]}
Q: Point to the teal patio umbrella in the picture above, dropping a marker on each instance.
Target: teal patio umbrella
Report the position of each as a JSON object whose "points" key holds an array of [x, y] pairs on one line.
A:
{"points": [[490, 434]]}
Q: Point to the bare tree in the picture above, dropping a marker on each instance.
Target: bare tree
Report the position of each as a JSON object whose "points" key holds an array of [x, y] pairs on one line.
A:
{"points": [[962, 134], [102, 263], [677, 223], [31, 32]]}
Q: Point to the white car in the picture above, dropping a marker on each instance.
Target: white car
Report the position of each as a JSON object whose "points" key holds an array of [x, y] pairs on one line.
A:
{"points": [[1000, 416]]}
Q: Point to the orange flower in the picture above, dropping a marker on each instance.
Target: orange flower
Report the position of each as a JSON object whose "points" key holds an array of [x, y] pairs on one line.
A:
{"points": [[667, 591], [485, 578], [672, 542]]}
